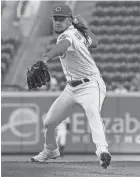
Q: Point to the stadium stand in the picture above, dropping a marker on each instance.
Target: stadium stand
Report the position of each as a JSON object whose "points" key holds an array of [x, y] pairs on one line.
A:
{"points": [[9, 46], [3, 5], [117, 27], [10, 37]]}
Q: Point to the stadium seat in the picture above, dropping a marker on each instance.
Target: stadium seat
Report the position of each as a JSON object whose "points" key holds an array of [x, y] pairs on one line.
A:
{"points": [[3, 68], [6, 58], [8, 50], [117, 27], [62, 85]]}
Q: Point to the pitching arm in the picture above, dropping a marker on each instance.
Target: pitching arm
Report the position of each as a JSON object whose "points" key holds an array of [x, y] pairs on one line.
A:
{"points": [[57, 50]]}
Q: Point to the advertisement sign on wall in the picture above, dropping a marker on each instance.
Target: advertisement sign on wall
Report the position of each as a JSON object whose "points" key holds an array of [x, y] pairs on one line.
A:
{"points": [[22, 123]]}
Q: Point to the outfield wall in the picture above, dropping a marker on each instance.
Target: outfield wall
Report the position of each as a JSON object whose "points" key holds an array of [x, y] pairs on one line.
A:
{"points": [[22, 123]]}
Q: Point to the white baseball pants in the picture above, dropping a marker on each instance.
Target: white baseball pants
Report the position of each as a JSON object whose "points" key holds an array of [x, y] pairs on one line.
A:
{"points": [[90, 96]]}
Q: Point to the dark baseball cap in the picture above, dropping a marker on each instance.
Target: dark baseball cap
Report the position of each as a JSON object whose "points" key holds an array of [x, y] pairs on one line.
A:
{"points": [[62, 10]]}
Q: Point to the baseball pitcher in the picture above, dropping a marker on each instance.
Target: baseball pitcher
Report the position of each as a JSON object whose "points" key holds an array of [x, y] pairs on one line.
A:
{"points": [[62, 131], [85, 85]]}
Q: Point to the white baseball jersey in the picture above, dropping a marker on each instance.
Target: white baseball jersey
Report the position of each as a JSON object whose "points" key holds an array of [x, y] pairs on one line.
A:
{"points": [[77, 62]]}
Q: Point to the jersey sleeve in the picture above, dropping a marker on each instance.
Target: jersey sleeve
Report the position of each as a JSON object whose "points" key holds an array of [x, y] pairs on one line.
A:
{"points": [[89, 40], [63, 37]]}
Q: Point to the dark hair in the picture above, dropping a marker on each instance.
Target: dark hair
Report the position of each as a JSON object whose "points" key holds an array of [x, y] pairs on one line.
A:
{"points": [[82, 29]]}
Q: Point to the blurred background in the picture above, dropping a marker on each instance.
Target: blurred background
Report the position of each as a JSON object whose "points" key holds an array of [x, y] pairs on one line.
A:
{"points": [[27, 32]]}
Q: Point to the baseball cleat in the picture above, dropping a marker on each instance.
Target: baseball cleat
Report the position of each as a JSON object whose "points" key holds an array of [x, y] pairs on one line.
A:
{"points": [[105, 158], [43, 156]]}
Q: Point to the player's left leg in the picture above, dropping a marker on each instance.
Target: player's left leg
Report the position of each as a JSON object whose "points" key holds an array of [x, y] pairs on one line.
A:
{"points": [[91, 101]]}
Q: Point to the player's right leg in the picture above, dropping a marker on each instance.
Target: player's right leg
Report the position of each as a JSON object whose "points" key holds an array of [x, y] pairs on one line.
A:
{"points": [[62, 142], [56, 114]]}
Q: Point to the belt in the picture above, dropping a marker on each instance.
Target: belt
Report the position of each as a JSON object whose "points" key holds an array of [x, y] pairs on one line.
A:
{"points": [[75, 83]]}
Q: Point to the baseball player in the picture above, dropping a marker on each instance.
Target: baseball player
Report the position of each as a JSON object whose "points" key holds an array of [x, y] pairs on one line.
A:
{"points": [[85, 85], [62, 131]]}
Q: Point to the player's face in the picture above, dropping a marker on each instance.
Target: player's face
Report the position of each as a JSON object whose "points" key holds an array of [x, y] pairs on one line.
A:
{"points": [[60, 24]]}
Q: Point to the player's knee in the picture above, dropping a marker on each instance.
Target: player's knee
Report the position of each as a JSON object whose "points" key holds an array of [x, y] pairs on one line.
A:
{"points": [[92, 110], [47, 123]]}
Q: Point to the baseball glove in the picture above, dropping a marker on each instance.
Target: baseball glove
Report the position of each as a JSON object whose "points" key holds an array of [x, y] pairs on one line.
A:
{"points": [[38, 75]]}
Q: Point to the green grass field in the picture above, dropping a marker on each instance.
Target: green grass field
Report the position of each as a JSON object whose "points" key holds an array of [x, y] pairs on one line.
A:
{"points": [[68, 167]]}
